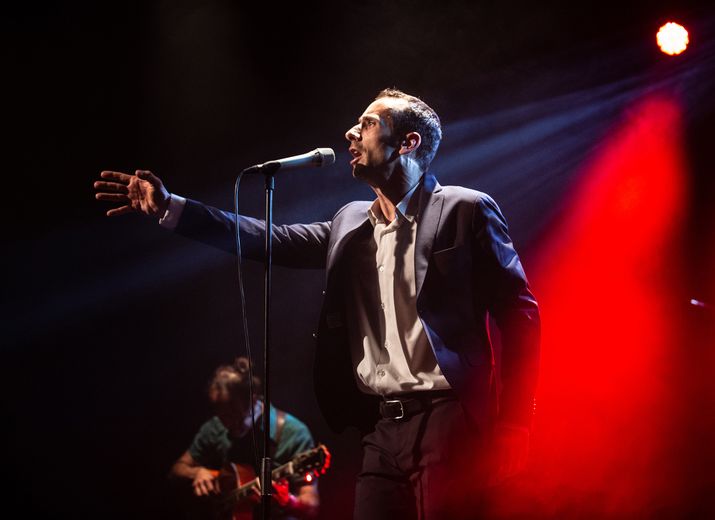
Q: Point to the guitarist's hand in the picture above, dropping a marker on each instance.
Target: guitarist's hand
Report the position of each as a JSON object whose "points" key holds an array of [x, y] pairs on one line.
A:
{"points": [[305, 505], [205, 483], [282, 494]]}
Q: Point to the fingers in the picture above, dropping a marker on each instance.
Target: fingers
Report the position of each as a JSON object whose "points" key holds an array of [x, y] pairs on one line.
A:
{"points": [[255, 495], [116, 176], [110, 186], [113, 197], [123, 210], [281, 492], [204, 487], [280, 486], [200, 489]]}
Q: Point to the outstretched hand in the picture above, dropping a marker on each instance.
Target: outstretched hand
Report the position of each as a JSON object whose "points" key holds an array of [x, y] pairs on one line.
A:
{"points": [[142, 193]]}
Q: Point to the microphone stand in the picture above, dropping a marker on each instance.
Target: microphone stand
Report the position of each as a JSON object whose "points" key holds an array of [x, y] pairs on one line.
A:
{"points": [[265, 478], [268, 170]]}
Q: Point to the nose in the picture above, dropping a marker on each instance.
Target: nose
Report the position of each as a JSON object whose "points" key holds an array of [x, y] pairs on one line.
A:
{"points": [[353, 134]]}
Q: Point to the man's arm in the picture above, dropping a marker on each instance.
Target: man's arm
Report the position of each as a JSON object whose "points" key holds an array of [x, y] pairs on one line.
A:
{"points": [[516, 312], [202, 479], [297, 245]]}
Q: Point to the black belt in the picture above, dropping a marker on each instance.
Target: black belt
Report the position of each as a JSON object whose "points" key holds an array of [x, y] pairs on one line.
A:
{"points": [[402, 406]]}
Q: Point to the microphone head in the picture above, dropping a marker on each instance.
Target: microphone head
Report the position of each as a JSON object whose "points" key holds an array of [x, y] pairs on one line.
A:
{"points": [[327, 156]]}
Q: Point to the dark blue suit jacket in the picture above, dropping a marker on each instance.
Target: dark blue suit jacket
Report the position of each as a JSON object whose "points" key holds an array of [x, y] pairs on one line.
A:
{"points": [[466, 269]]}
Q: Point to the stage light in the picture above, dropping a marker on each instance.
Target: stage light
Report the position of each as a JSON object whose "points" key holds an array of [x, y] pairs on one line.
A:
{"points": [[672, 38]]}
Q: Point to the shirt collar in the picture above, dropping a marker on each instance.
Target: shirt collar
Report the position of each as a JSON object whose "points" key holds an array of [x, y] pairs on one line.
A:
{"points": [[404, 210]]}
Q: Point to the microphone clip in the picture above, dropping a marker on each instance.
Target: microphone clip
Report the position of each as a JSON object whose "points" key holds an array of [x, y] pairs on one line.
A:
{"points": [[268, 168]]}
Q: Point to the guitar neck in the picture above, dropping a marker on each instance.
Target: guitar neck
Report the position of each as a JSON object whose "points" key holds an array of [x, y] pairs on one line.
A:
{"points": [[277, 474], [310, 462]]}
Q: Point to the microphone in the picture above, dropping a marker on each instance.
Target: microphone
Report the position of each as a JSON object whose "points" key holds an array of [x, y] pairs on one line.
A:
{"points": [[318, 157]]}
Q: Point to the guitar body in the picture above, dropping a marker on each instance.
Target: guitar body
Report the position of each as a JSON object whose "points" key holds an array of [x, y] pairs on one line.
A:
{"points": [[238, 484], [230, 479]]}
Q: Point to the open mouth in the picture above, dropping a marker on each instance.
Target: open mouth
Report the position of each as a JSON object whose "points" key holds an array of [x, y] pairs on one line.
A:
{"points": [[356, 156]]}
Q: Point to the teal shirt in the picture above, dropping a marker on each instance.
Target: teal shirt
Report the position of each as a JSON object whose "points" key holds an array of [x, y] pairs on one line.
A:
{"points": [[213, 448]]}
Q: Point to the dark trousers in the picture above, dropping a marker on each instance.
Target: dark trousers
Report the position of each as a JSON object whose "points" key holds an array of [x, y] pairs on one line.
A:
{"points": [[428, 466]]}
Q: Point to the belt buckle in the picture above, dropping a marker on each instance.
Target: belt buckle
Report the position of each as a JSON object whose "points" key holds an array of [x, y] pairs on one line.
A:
{"points": [[402, 408]]}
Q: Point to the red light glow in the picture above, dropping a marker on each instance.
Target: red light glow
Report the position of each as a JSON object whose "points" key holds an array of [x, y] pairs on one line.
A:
{"points": [[608, 282], [672, 38]]}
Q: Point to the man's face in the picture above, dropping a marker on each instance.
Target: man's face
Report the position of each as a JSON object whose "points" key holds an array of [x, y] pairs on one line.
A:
{"points": [[233, 414], [373, 145]]}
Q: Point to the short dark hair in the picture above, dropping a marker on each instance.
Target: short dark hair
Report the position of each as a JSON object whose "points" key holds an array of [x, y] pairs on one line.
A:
{"points": [[417, 117], [232, 381]]}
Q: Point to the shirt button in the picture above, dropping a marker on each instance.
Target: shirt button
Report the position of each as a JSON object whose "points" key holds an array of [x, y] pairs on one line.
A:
{"points": [[381, 268], [387, 344], [382, 305], [381, 373]]}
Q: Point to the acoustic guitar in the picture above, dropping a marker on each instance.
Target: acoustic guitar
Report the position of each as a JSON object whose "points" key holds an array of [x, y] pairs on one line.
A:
{"points": [[238, 483]]}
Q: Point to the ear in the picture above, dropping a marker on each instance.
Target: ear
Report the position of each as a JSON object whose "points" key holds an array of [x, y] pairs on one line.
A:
{"points": [[410, 143]]}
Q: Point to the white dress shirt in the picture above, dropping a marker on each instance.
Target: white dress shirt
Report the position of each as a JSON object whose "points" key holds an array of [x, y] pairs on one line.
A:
{"points": [[390, 350]]}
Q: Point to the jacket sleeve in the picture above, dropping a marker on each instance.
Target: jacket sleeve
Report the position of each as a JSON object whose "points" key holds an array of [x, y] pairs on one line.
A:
{"points": [[514, 308], [296, 245]]}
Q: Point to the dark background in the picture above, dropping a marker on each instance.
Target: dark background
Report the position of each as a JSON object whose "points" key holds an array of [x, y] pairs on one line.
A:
{"points": [[111, 327]]}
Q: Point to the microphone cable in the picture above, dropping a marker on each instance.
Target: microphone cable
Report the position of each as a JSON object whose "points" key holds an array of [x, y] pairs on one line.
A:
{"points": [[244, 320]]}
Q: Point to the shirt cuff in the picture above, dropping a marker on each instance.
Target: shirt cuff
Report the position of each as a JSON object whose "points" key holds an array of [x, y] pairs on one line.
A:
{"points": [[173, 212]]}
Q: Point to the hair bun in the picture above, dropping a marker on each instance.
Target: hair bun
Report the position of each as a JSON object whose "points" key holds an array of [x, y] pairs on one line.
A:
{"points": [[241, 365]]}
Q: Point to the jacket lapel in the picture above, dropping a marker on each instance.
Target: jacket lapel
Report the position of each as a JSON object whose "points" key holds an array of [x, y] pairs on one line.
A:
{"points": [[350, 223], [428, 217]]}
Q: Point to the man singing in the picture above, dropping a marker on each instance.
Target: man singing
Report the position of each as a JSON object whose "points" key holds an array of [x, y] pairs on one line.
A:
{"points": [[403, 349]]}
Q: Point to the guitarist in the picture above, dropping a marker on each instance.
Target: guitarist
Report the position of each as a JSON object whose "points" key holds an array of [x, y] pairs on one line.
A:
{"points": [[227, 439]]}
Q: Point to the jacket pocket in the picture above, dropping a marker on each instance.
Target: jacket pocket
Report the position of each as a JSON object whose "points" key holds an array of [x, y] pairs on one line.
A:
{"points": [[453, 260]]}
